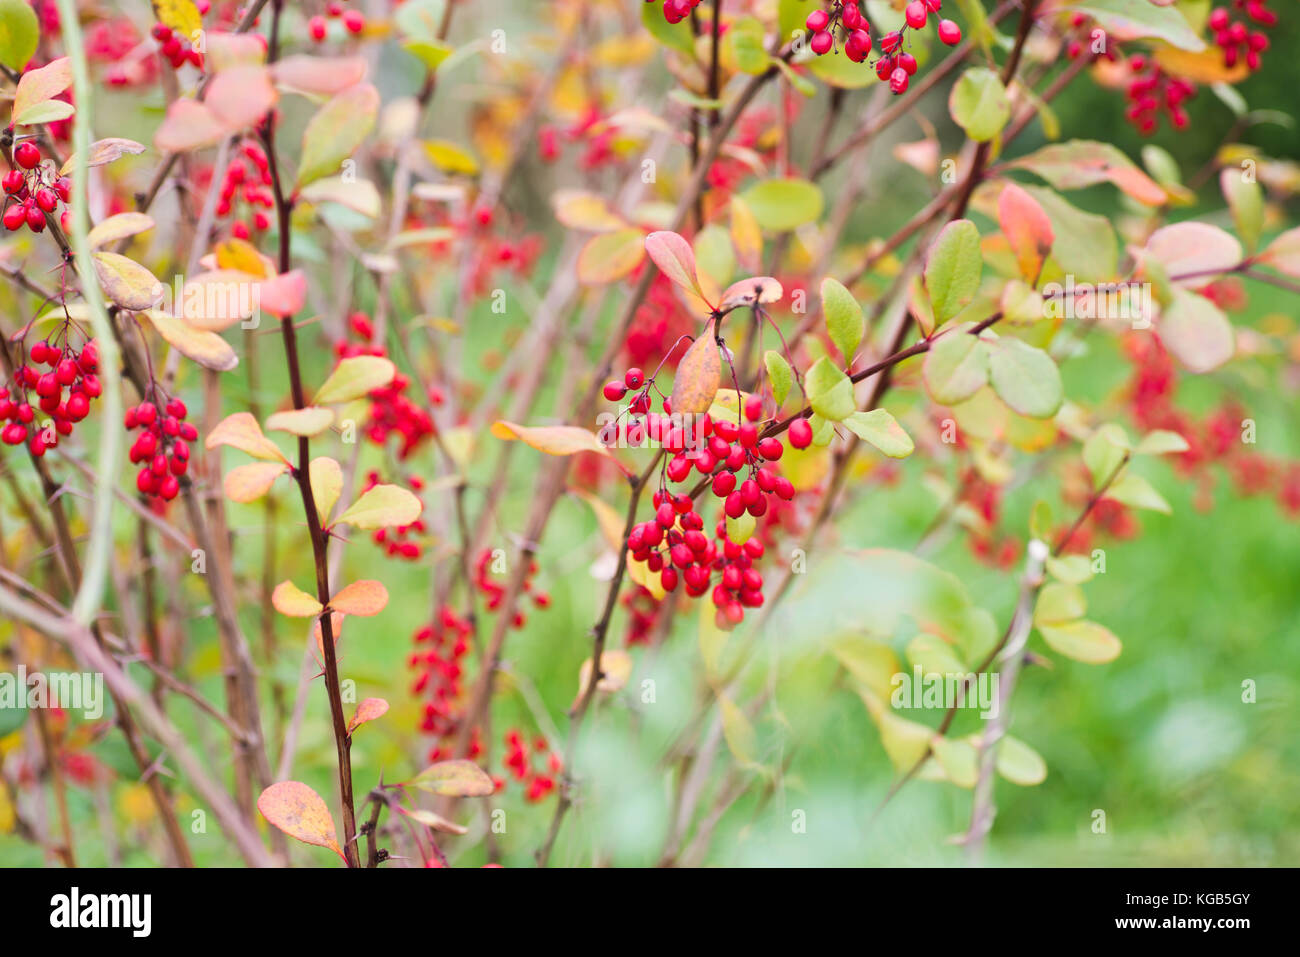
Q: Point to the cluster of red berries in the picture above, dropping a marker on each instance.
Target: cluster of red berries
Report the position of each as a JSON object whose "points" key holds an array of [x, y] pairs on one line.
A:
{"points": [[493, 593], [1151, 90], [248, 177], [400, 541], [176, 49], [391, 411], [1234, 36], [116, 42], [353, 21], [675, 11], [67, 369], [32, 190], [519, 761], [895, 65], [162, 447], [440, 649]]}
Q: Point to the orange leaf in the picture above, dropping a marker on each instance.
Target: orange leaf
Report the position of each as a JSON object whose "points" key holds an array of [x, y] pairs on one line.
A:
{"points": [[747, 292], [363, 598], [336, 630], [241, 431], [289, 599], [1027, 229], [300, 812], [698, 376], [552, 439], [610, 256], [367, 710], [248, 483]]}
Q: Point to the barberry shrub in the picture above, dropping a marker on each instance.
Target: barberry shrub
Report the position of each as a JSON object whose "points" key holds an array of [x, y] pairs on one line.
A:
{"points": [[687, 379]]}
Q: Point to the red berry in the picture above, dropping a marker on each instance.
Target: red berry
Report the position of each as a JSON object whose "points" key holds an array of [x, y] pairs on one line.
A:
{"points": [[949, 33], [15, 216], [27, 155], [916, 14], [615, 390], [822, 42], [316, 27], [35, 219], [724, 483], [47, 199], [801, 433], [898, 80], [634, 378], [353, 21], [14, 181], [770, 448], [817, 21]]}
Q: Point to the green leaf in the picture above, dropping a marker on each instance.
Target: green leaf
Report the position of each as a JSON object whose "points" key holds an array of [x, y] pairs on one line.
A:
{"points": [[1084, 245], [1019, 763], [958, 758], [381, 507], [1246, 200], [1161, 442], [1070, 569], [1059, 603], [19, 33], [337, 128], [979, 104], [844, 319], [1135, 491], [740, 529], [934, 656], [1131, 19], [953, 268], [1084, 641], [1025, 378], [956, 367], [741, 740], [744, 39], [835, 69], [781, 205], [830, 393], [883, 431], [1103, 451], [779, 374]]}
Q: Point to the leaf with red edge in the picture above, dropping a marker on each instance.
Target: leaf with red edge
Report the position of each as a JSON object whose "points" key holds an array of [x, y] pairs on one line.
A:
{"points": [[318, 74], [1027, 228], [284, 295], [1283, 253], [1082, 163], [301, 813], [288, 599], [457, 778], [364, 598], [676, 260], [38, 86], [241, 96], [751, 291], [368, 710], [241, 431], [189, 125], [698, 376]]}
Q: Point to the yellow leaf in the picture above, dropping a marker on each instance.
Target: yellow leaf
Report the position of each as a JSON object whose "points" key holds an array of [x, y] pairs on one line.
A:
{"points": [[355, 377], [455, 779], [126, 282], [615, 669], [326, 485], [552, 439], [289, 599], [181, 15], [698, 377], [382, 506], [609, 257], [118, 227], [313, 420], [450, 158], [206, 348]]}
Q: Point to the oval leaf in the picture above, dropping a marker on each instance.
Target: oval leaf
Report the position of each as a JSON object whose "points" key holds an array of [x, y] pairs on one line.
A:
{"points": [[300, 812], [381, 507], [698, 376], [355, 377], [289, 599], [364, 598], [455, 779]]}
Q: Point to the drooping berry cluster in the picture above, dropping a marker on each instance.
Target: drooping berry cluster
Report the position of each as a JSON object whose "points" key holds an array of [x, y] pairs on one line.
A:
{"points": [[32, 190], [176, 49], [440, 649], [895, 64], [162, 448], [248, 178], [63, 391], [353, 21], [518, 761], [391, 411], [675, 11], [1234, 35], [400, 541], [1152, 90], [494, 593]]}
